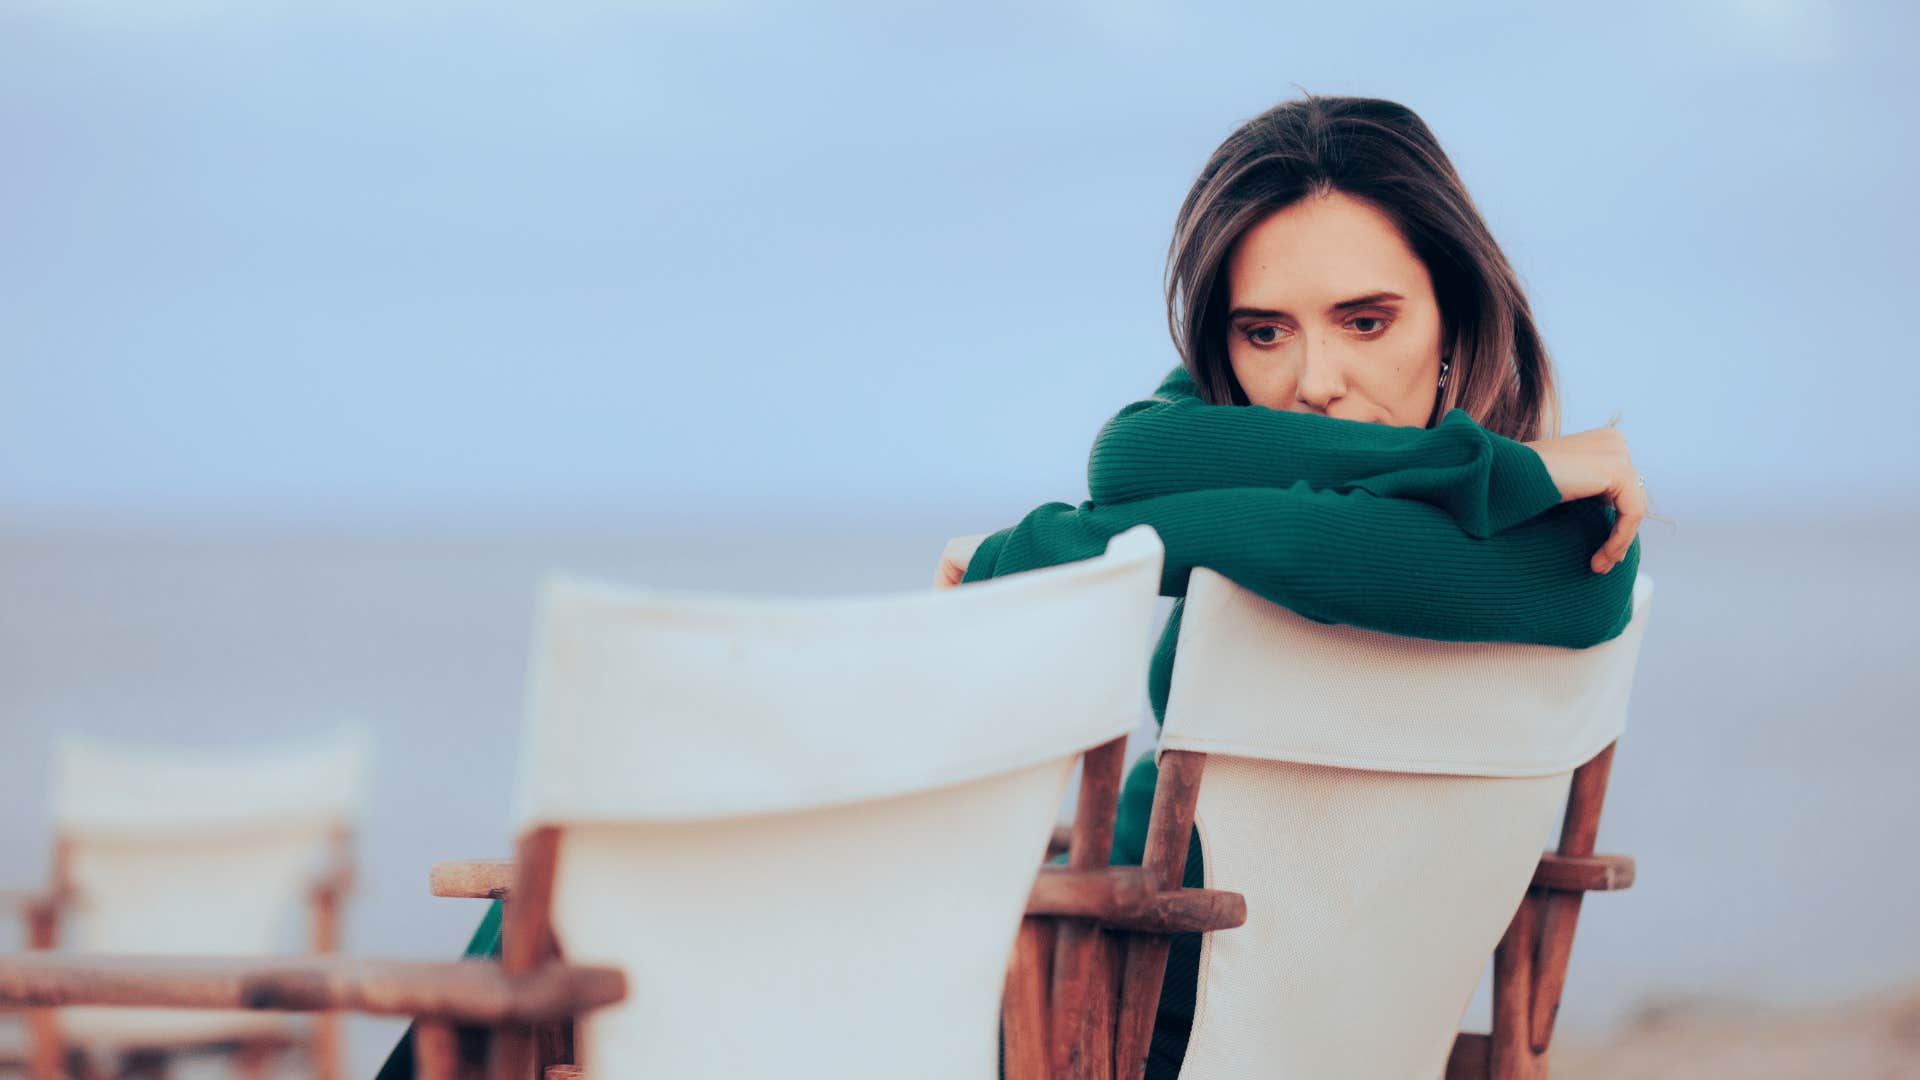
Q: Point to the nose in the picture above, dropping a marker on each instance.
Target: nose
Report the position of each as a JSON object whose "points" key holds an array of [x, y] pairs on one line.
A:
{"points": [[1322, 380]]}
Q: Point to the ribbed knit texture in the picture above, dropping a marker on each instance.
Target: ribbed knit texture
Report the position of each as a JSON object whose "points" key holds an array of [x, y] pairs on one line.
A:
{"points": [[1174, 443], [1451, 533]]}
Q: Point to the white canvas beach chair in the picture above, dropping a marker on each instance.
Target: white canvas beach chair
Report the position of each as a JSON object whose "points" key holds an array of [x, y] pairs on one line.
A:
{"points": [[796, 837], [1382, 803], [166, 851]]}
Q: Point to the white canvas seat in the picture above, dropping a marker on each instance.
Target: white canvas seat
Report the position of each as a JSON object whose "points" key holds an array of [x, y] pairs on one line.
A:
{"points": [[1382, 804], [194, 852], [807, 830]]}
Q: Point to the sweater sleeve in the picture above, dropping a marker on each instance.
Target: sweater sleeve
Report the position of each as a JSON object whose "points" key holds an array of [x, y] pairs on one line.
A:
{"points": [[1174, 443], [1397, 565]]}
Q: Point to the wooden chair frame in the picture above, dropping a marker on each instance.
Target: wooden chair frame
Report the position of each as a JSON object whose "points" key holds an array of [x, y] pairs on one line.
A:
{"points": [[472, 1020], [1064, 946], [1082, 987], [1530, 963], [42, 911], [1102, 978]]}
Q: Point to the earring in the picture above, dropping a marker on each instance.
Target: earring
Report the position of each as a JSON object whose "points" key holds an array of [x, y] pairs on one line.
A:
{"points": [[1445, 366]]}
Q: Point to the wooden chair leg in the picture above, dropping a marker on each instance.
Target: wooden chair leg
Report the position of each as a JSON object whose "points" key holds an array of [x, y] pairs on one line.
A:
{"points": [[324, 902], [252, 1060], [436, 1053], [1561, 910], [1510, 1050], [444, 1051], [1176, 798], [324, 1047], [1141, 974], [1081, 1003], [1023, 1007], [47, 1049], [526, 941], [1082, 1008], [510, 1056]]}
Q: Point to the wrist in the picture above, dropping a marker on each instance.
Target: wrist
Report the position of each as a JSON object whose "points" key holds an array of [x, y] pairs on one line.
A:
{"points": [[1521, 484]]}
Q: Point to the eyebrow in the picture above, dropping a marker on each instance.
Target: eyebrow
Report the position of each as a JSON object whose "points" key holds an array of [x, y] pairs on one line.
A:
{"points": [[1344, 305]]}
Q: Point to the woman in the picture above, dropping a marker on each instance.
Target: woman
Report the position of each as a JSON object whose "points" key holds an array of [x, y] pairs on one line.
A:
{"points": [[1329, 266], [1360, 429]]}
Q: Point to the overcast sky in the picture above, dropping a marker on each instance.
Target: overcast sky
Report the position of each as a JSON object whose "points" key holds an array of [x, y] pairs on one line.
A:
{"points": [[670, 260]]}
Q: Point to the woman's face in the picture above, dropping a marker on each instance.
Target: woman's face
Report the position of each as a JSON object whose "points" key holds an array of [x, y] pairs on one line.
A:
{"points": [[1332, 313]]}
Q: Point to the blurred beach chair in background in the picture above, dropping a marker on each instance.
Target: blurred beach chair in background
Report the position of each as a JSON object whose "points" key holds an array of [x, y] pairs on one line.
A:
{"points": [[1381, 802], [169, 851], [805, 831]]}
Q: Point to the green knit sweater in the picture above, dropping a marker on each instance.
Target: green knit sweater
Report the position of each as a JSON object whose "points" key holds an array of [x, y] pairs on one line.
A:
{"points": [[1449, 532]]}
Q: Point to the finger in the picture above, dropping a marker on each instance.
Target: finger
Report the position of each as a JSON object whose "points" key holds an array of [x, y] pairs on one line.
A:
{"points": [[1630, 509], [1625, 524]]}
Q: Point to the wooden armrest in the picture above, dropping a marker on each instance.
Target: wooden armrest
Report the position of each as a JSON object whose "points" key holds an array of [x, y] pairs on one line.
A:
{"points": [[1119, 898], [478, 879], [1583, 873], [463, 992], [1087, 894]]}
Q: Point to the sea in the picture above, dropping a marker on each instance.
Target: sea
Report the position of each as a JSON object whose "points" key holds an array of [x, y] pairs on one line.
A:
{"points": [[1766, 784]]}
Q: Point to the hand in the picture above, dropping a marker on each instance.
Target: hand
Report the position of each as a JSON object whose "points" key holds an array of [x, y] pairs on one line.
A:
{"points": [[1597, 463], [954, 560]]}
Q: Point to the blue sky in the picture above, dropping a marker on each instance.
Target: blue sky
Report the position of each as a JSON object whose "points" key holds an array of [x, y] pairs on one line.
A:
{"points": [[671, 261]]}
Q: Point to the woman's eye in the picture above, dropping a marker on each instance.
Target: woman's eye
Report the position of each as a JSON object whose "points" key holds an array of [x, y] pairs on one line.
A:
{"points": [[1264, 335], [1368, 325]]}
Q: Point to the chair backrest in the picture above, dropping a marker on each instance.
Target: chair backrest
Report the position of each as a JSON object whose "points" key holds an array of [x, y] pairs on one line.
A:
{"points": [[202, 851], [1382, 803], [807, 830]]}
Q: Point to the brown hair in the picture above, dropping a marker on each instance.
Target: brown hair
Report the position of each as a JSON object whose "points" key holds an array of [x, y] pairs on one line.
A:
{"points": [[1379, 152]]}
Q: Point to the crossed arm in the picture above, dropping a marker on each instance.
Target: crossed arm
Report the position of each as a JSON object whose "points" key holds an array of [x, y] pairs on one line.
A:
{"points": [[1449, 532], [1173, 443], [1396, 565]]}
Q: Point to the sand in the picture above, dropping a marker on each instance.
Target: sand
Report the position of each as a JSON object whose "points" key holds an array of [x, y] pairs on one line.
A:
{"points": [[1873, 1039]]}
